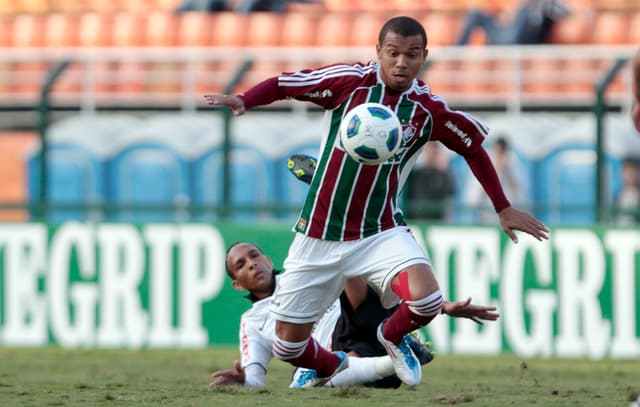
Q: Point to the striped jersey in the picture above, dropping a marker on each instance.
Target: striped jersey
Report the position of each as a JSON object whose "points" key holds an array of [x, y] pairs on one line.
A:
{"points": [[348, 200]]}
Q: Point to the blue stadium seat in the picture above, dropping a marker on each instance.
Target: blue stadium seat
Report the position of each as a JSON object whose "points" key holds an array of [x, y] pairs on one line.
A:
{"points": [[147, 172], [252, 181], [75, 176], [566, 185]]}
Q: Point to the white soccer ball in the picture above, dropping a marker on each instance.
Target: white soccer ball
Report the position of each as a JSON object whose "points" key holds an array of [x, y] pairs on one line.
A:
{"points": [[371, 133]]}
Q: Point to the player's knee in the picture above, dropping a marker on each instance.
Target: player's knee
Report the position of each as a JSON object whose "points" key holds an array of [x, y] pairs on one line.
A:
{"points": [[285, 350], [428, 306]]}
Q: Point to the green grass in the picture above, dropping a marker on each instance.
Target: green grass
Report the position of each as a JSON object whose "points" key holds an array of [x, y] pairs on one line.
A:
{"points": [[58, 377]]}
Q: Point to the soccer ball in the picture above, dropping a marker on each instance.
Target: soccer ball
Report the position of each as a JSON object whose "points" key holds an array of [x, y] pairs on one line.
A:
{"points": [[371, 133]]}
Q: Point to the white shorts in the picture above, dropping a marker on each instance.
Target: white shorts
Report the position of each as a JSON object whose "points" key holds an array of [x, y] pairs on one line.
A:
{"points": [[316, 271]]}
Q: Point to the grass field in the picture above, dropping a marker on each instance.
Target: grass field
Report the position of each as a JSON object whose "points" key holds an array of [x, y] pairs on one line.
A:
{"points": [[57, 377]]}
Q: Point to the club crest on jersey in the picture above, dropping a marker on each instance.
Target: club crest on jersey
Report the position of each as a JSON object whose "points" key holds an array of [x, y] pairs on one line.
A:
{"points": [[302, 225], [408, 131]]}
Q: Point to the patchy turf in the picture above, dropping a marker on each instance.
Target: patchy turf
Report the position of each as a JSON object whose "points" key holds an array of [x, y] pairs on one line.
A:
{"points": [[58, 377]]}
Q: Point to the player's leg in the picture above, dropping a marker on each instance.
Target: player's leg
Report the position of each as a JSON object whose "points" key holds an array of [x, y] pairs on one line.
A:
{"points": [[422, 301], [308, 287], [293, 343], [401, 270]]}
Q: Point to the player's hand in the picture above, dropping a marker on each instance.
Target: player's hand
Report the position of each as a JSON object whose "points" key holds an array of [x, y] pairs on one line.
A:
{"points": [[235, 103], [635, 115], [464, 309], [229, 377], [512, 219]]}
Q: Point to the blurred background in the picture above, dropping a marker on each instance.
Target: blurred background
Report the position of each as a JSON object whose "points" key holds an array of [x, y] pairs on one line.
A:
{"points": [[116, 178], [113, 90]]}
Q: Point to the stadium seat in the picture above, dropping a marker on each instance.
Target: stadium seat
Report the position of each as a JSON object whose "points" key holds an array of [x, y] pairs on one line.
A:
{"points": [[28, 31], [251, 180], [408, 6], [566, 185], [634, 28], [334, 30], [161, 30], [299, 29], [542, 78], [611, 28], [441, 76], [365, 29], [147, 173], [575, 29], [128, 31], [67, 6], [33, 6], [229, 29], [341, 6], [195, 29], [5, 31], [265, 29], [75, 178], [94, 30], [5, 41], [441, 28], [579, 78], [61, 30]]}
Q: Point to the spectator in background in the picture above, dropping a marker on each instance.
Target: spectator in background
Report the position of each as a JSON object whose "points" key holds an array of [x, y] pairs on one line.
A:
{"points": [[240, 6], [531, 23], [628, 199], [512, 178], [431, 187], [635, 72], [203, 5]]}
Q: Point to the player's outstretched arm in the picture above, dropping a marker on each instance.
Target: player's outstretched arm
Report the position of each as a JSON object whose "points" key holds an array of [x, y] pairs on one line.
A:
{"points": [[512, 219], [229, 377], [465, 309], [233, 102]]}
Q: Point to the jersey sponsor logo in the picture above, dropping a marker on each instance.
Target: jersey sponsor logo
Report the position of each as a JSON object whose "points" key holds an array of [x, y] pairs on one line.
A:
{"points": [[326, 93], [456, 130]]}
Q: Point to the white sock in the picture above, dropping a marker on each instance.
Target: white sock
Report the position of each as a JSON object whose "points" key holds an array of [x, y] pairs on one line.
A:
{"points": [[363, 370]]}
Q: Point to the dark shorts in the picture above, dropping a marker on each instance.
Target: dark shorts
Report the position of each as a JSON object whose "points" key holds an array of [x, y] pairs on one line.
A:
{"points": [[355, 331]]}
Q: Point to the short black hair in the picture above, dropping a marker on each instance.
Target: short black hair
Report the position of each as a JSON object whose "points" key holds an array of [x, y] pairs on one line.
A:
{"points": [[405, 26], [226, 257]]}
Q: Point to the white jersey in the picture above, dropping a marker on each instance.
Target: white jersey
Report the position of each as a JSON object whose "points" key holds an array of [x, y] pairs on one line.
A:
{"points": [[257, 332]]}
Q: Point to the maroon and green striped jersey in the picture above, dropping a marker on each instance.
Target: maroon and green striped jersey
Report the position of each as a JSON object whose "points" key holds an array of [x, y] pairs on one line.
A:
{"points": [[348, 200]]}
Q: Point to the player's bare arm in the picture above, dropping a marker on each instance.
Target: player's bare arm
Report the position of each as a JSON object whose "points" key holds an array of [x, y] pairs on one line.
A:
{"points": [[233, 102], [512, 219], [229, 377], [465, 309]]}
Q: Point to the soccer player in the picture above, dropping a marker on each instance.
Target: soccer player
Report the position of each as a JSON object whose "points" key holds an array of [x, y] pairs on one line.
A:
{"points": [[350, 225], [348, 325], [635, 72]]}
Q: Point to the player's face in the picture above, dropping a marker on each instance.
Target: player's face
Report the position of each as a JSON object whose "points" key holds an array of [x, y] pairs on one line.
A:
{"points": [[400, 59], [252, 270]]}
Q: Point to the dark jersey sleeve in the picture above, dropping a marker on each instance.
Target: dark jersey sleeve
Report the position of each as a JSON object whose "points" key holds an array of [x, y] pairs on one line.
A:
{"points": [[464, 134]]}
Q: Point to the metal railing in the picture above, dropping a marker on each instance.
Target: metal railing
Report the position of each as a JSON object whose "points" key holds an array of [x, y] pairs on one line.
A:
{"points": [[505, 76]]}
